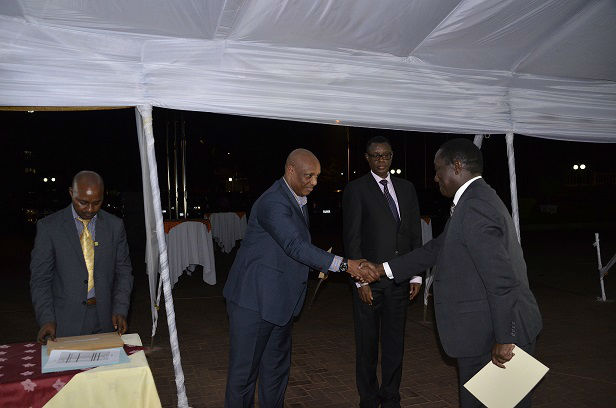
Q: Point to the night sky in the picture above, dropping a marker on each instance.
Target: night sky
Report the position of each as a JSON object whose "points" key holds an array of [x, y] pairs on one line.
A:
{"points": [[253, 151]]}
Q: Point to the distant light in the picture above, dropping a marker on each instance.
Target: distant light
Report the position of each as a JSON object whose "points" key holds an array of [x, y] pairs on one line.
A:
{"points": [[230, 178], [342, 174], [228, 153], [337, 121], [575, 167], [44, 179], [181, 214], [30, 111], [392, 171], [582, 166], [338, 191], [354, 171], [173, 208], [196, 207], [327, 211], [53, 179], [398, 171], [108, 205], [164, 211]]}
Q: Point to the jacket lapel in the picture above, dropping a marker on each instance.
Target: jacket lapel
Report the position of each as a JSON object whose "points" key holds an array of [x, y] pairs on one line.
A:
{"points": [[377, 193], [102, 243], [283, 186], [70, 232]]}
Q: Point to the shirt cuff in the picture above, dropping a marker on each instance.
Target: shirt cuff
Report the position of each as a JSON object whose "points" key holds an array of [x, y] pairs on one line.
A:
{"points": [[416, 279], [335, 266], [388, 271], [359, 284]]}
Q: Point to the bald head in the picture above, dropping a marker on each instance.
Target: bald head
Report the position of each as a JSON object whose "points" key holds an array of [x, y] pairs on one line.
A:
{"points": [[87, 193], [301, 171]]}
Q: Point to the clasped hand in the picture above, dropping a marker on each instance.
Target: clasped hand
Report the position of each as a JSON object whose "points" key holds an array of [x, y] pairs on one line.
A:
{"points": [[365, 271]]}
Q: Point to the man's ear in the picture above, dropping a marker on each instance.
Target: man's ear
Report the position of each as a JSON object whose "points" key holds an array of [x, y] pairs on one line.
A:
{"points": [[457, 167], [70, 191]]}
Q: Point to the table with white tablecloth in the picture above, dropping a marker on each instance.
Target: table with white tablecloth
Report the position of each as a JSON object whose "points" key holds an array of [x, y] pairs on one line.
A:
{"points": [[227, 228], [189, 243]]}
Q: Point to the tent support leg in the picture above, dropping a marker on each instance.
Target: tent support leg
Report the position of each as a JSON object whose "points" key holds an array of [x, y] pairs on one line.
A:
{"points": [[146, 115]]}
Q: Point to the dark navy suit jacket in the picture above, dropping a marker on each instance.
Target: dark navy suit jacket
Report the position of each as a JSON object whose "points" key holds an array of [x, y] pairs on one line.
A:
{"points": [[270, 271]]}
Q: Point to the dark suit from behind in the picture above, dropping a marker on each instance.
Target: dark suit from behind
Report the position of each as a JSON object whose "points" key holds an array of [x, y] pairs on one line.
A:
{"points": [[481, 292], [371, 232], [265, 289], [59, 277]]}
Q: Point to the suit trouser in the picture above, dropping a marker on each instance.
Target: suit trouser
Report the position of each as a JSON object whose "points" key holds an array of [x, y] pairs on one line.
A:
{"points": [[257, 349], [469, 366], [386, 316]]}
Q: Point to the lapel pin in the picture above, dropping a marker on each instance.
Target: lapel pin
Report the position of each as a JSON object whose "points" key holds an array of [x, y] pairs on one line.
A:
{"points": [[95, 243]]}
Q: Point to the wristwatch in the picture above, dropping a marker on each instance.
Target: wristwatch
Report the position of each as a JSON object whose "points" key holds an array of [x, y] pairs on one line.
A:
{"points": [[344, 265]]}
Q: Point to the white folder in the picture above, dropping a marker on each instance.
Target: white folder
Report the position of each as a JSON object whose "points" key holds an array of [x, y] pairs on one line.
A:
{"points": [[496, 387]]}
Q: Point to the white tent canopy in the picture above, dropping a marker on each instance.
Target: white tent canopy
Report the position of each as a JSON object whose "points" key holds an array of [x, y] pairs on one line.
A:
{"points": [[536, 67], [542, 68]]}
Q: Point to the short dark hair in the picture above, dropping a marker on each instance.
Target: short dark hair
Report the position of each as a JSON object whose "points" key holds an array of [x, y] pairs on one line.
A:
{"points": [[465, 152], [377, 139]]}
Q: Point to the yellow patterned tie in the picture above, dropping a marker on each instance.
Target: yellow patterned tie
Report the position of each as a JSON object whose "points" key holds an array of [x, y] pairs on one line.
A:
{"points": [[87, 246]]}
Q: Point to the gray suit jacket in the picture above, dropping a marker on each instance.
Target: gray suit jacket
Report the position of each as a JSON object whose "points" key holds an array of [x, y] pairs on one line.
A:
{"points": [[270, 271], [59, 278], [481, 293]]}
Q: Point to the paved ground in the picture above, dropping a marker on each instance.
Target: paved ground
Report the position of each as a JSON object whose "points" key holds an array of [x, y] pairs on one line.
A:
{"points": [[577, 342]]}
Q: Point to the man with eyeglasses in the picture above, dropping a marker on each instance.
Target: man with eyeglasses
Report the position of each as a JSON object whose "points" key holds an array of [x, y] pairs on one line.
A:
{"points": [[380, 220]]}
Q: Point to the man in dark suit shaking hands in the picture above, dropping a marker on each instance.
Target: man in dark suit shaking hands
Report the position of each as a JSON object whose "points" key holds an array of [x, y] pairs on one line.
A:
{"points": [[484, 307], [81, 275], [381, 221], [266, 286]]}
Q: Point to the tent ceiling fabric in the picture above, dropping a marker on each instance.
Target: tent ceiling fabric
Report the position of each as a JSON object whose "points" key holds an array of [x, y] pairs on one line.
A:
{"points": [[537, 67]]}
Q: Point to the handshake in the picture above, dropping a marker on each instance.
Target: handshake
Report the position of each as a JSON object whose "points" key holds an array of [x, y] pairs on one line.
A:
{"points": [[365, 271]]}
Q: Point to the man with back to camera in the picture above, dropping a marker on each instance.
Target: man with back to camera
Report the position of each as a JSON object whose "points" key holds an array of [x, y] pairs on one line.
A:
{"points": [[483, 305], [266, 286], [81, 274], [381, 220]]}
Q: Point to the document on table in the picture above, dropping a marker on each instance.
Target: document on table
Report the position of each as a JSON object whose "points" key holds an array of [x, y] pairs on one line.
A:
{"points": [[62, 360], [504, 388]]}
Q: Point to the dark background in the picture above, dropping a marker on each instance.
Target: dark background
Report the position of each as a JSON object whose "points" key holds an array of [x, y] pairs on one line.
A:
{"points": [[252, 151]]}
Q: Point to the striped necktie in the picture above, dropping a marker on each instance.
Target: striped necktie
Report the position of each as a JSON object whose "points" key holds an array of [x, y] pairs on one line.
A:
{"points": [[390, 201], [87, 246]]}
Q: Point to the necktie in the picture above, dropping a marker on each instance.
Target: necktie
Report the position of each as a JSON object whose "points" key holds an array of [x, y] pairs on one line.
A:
{"points": [[390, 201], [453, 207], [87, 246]]}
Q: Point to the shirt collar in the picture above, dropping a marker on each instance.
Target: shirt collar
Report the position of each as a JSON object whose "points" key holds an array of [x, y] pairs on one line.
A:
{"points": [[301, 201], [76, 216], [463, 188], [379, 178]]}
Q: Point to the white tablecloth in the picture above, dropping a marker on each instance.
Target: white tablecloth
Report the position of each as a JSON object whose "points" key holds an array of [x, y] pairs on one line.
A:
{"points": [[227, 228], [190, 243], [426, 235]]}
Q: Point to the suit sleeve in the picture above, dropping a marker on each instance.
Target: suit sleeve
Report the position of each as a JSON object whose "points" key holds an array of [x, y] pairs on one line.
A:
{"points": [[485, 236], [276, 218], [415, 262], [351, 223], [42, 269], [123, 279]]}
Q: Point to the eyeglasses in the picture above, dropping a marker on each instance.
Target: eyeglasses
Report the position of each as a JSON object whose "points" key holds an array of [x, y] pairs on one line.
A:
{"points": [[377, 156]]}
